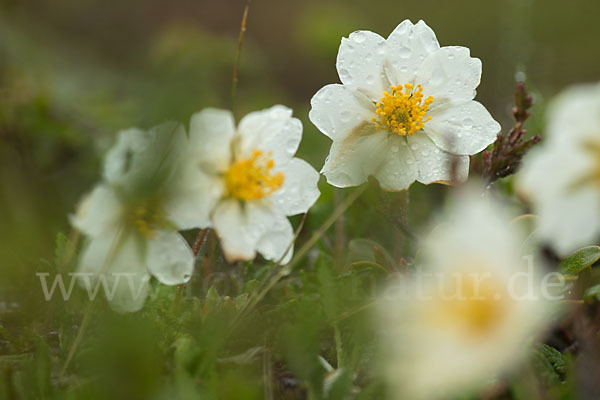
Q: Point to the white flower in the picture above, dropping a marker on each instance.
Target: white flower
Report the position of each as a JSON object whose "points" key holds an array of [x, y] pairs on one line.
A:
{"points": [[468, 313], [404, 111], [251, 180], [561, 176], [131, 220]]}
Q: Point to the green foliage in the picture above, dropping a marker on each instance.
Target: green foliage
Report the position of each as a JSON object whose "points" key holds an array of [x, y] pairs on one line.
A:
{"points": [[580, 260], [550, 364]]}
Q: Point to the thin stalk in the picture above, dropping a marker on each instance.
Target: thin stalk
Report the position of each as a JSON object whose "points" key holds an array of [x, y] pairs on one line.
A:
{"points": [[86, 318], [68, 256], [267, 375], [340, 235], [339, 210], [62, 267], [236, 65], [353, 312], [80, 332], [338, 346], [200, 239], [402, 224]]}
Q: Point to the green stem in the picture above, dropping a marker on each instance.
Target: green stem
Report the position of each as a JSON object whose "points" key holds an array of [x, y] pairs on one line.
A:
{"points": [[339, 210], [340, 235], [338, 346], [82, 328]]}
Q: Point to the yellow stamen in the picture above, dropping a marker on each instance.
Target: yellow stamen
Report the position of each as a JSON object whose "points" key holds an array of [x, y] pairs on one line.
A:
{"points": [[593, 175], [253, 178], [147, 218], [402, 110]]}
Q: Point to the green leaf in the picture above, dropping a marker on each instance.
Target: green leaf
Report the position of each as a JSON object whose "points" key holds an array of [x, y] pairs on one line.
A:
{"points": [[184, 351], [252, 285], [240, 301], [369, 266], [212, 298], [337, 384], [591, 292], [550, 364], [369, 250], [580, 260]]}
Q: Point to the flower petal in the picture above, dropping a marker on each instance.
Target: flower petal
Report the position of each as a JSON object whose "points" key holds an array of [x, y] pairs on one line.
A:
{"points": [[574, 110], [170, 259], [190, 202], [449, 74], [299, 191], [211, 132], [276, 241], [132, 162], [407, 46], [398, 170], [240, 226], [337, 109], [98, 212], [115, 267], [273, 130], [435, 165], [121, 159], [360, 62], [563, 222], [352, 160], [553, 177], [462, 128]]}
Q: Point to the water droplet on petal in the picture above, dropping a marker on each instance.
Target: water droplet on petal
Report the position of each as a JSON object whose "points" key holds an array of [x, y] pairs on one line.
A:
{"points": [[358, 37], [345, 76], [345, 116], [404, 52]]}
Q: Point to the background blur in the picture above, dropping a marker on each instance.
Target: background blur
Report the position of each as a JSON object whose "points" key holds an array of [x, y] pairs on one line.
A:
{"points": [[74, 72]]}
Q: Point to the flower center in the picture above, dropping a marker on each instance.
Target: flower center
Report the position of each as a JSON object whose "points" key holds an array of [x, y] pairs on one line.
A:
{"points": [[593, 176], [147, 217], [402, 110], [253, 178], [476, 306], [594, 149]]}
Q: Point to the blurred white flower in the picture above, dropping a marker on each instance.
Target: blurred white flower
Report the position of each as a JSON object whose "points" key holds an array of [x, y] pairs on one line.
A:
{"points": [[561, 176], [468, 312], [250, 180], [404, 111], [132, 218]]}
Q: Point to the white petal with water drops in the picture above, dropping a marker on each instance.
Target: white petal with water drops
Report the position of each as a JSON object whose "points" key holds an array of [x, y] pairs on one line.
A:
{"points": [[170, 259], [462, 128], [336, 110], [299, 191], [360, 63], [273, 130], [407, 46]]}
